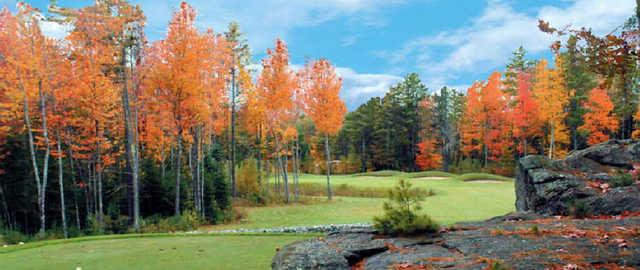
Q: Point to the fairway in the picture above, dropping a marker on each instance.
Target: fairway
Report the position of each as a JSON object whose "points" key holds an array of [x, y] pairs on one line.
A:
{"points": [[186, 252], [454, 201]]}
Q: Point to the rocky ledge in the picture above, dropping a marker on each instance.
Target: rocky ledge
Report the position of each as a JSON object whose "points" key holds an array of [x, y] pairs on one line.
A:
{"points": [[584, 180], [542, 235], [516, 241]]}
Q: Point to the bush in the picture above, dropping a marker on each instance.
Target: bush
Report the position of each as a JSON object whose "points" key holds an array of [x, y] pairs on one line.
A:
{"points": [[579, 209], [401, 212], [13, 237], [622, 180], [247, 178]]}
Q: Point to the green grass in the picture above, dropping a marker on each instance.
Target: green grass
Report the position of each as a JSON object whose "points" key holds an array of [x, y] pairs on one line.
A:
{"points": [[430, 174], [157, 252], [482, 176], [454, 201], [384, 173]]}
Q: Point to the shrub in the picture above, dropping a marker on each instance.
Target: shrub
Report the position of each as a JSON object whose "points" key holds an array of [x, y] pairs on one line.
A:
{"points": [[579, 209], [401, 212], [247, 178], [13, 237], [622, 180]]}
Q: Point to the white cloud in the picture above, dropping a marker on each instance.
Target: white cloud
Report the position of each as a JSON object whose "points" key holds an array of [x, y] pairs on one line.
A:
{"points": [[487, 41], [265, 20], [55, 30], [359, 87], [348, 41], [356, 87]]}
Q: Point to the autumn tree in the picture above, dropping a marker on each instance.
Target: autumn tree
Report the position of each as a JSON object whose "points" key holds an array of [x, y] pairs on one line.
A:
{"points": [[599, 120], [428, 157], [29, 72], [484, 130], [186, 78], [527, 125], [275, 89], [550, 93], [323, 105]]}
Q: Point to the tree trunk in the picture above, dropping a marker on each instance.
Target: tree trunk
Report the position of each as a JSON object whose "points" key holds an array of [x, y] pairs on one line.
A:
{"points": [[328, 157], [178, 168], [285, 178], [234, 191], [296, 168], [5, 208], [552, 141], [60, 181], [363, 156], [45, 168]]}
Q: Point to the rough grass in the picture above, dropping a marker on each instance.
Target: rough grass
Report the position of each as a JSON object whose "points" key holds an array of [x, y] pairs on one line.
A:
{"points": [[482, 176], [384, 173], [347, 190], [430, 174], [150, 252]]}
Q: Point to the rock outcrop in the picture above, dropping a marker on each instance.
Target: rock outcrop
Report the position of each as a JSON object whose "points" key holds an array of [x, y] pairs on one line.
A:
{"points": [[581, 182], [516, 241]]}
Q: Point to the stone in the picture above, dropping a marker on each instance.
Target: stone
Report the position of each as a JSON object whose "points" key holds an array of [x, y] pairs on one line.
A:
{"points": [[555, 187], [516, 241]]}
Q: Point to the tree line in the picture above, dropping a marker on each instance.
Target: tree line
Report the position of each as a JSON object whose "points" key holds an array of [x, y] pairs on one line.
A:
{"points": [[135, 129]]}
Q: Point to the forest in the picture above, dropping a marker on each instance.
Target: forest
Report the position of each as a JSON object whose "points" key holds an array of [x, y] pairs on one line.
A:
{"points": [[106, 132]]}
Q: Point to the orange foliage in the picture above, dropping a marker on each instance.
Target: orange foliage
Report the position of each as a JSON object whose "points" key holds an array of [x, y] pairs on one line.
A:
{"points": [[428, 156], [185, 81], [527, 124], [484, 128], [599, 121], [275, 90], [552, 96], [321, 89]]}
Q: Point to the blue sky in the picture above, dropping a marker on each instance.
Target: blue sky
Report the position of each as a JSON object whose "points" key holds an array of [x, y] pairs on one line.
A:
{"points": [[374, 43]]}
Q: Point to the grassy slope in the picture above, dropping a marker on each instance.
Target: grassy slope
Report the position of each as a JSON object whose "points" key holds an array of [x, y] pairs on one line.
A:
{"points": [[189, 252], [454, 201]]}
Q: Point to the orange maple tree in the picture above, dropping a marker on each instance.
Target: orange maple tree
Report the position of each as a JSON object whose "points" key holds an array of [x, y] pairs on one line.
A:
{"points": [[185, 82], [599, 121], [550, 93], [321, 89], [484, 129], [526, 122]]}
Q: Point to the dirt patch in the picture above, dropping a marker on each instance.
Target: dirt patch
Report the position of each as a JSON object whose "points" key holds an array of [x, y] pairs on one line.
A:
{"points": [[431, 178], [486, 181]]}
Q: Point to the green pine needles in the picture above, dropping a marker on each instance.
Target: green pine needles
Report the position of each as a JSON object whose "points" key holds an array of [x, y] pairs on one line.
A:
{"points": [[401, 212]]}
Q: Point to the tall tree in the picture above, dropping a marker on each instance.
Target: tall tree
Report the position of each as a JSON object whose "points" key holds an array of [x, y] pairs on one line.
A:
{"points": [[323, 105], [29, 68], [526, 121], [550, 93], [276, 86], [599, 120], [186, 73], [241, 56]]}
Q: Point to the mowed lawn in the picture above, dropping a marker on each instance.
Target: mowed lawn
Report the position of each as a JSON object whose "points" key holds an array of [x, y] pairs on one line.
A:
{"points": [[171, 252], [453, 201]]}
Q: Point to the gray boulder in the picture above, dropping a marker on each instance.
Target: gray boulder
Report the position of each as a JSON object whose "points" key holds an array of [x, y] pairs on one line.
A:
{"points": [[558, 187]]}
